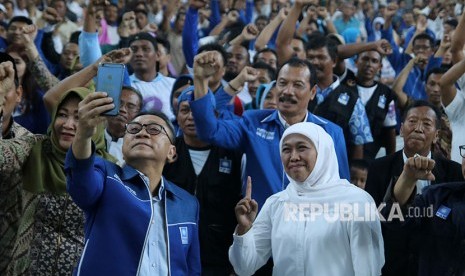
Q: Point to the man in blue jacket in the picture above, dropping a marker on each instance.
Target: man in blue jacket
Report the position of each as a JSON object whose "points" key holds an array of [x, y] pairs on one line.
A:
{"points": [[422, 45], [258, 132], [137, 222]]}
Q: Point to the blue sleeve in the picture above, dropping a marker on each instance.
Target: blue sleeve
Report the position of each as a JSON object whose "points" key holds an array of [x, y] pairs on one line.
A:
{"points": [[89, 48], [408, 36], [396, 58], [83, 182], [434, 62], [215, 16], [272, 43], [242, 16], [341, 151], [369, 28], [52, 67], [249, 7], [360, 131], [222, 98], [190, 40], [3, 44], [223, 133]]}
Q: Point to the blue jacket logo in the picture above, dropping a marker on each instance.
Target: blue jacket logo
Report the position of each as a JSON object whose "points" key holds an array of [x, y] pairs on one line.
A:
{"points": [[268, 135], [184, 235]]}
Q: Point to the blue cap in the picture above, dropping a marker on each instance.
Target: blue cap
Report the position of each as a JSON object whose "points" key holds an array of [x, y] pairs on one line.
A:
{"points": [[188, 95]]}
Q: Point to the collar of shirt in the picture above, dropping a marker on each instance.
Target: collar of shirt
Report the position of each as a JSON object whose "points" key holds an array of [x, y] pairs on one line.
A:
{"points": [[110, 138], [133, 78], [321, 94], [161, 190], [285, 124], [405, 156]]}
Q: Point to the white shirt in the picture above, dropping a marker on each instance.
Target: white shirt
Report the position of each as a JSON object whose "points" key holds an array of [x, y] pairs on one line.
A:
{"points": [[155, 255], [309, 247], [156, 93], [115, 148], [198, 158], [455, 111], [307, 241]]}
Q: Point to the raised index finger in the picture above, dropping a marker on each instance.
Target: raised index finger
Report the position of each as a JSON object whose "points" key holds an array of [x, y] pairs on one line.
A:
{"points": [[248, 190]]}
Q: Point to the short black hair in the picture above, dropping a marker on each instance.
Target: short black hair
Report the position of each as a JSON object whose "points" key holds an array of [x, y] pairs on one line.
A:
{"points": [[6, 57], [140, 11], [214, 47], [317, 41], [300, 38], [137, 92], [270, 71], [435, 70], [143, 36], [360, 164], [74, 38], [421, 103], [165, 43], [22, 19], [297, 62], [265, 50], [423, 36], [452, 22], [162, 116], [262, 17]]}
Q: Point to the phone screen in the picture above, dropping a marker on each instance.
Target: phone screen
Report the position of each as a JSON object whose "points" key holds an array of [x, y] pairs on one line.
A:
{"points": [[110, 80]]}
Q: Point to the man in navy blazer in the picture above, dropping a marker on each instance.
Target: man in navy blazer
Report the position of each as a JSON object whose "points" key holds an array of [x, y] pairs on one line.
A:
{"points": [[419, 130]]}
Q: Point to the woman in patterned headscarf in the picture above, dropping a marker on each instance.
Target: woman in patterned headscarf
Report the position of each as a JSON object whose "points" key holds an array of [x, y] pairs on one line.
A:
{"points": [[51, 234]]}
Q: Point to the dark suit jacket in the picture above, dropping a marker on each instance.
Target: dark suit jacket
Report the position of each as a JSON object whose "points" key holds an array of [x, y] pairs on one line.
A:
{"points": [[399, 248]]}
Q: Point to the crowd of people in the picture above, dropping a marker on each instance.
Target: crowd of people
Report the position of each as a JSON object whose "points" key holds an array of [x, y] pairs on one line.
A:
{"points": [[253, 137]]}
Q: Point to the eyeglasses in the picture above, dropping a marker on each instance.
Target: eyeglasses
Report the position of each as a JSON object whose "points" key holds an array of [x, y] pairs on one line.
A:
{"points": [[421, 48], [152, 129], [462, 150]]}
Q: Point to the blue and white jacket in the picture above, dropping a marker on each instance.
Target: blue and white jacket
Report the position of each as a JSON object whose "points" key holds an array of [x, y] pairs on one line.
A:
{"points": [[118, 210], [257, 134]]}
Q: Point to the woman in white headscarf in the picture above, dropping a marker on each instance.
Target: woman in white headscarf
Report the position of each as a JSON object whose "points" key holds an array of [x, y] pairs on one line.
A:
{"points": [[319, 225]]}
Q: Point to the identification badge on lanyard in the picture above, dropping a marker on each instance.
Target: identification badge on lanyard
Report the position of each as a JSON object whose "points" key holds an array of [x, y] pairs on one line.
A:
{"points": [[225, 165], [343, 99], [382, 102]]}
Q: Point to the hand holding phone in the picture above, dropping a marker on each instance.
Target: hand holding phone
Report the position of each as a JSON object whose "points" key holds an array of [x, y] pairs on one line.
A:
{"points": [[110, 80]]}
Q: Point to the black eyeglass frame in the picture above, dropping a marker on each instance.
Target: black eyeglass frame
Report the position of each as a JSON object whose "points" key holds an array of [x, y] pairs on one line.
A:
{"points": [[462, 150], [162, 128]]}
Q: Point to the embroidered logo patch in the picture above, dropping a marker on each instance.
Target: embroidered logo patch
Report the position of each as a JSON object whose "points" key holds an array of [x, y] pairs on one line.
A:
{"points": [[225, 165], [343, 99], [268, 135], [443, 212], [184, 235]]}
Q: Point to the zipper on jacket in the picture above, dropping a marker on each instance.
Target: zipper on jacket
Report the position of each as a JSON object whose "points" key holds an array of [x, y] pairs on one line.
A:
{"points": [[167, 237], [82, 258], [150, 224]]}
